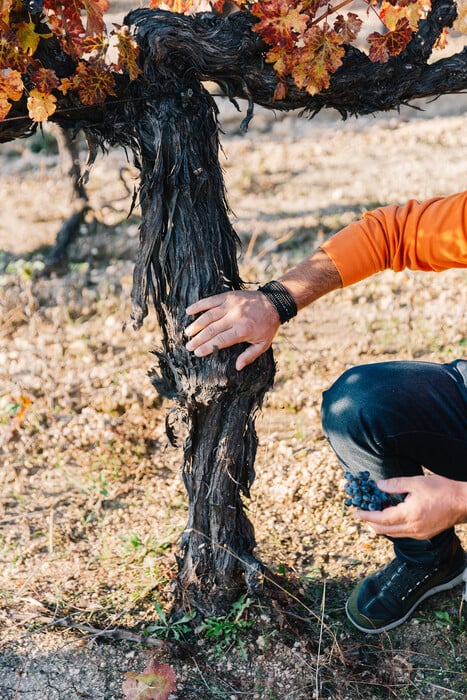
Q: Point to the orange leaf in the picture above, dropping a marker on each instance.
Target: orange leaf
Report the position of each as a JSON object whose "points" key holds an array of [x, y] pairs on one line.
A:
{"points": [[23, 405], [349, 27], [280, 24], [5, 7], [41, 105], [95, 45], [382, 46], [283, 58], [320, 56], [442, 41], [182, 7], [66, 84], [11, 88], [128, 52], [11, 84], [413, 11], [5, 106]]}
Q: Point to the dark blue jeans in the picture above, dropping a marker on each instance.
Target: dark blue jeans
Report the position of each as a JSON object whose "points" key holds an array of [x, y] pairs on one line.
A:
{"points": [[392, 418]]}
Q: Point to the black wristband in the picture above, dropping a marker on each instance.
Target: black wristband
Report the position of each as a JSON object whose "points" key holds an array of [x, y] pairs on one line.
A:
{"points": [[281, 299]]}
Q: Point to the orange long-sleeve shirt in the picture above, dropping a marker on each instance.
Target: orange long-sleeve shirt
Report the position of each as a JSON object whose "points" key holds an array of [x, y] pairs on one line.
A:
{"points": [[430, 235]]}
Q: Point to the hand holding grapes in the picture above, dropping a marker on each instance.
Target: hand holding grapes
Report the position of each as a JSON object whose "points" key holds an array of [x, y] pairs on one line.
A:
{"points": [[433, 503]]}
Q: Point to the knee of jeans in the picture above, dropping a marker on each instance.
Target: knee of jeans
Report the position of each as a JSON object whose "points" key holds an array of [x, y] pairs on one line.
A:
{"points": [[346, 405]]}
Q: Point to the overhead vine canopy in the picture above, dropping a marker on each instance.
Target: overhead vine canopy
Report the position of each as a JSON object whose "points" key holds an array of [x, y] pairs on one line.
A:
{"points": [[58, 53]]}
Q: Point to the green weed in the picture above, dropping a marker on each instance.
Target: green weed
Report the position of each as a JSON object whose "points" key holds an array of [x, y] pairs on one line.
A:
{"points": [[226, 631], [167, 627]]}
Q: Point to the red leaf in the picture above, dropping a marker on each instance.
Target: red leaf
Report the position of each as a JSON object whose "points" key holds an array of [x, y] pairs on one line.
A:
{"points": [[311, 7], [11, 53], [382, 46], [65, 22], [45, 79], [349, 27], [95, 9], [93, 82], [155, 682]]}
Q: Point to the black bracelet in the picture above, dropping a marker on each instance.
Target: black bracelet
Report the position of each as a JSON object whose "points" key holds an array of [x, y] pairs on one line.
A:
{"points": [[281, 299]]}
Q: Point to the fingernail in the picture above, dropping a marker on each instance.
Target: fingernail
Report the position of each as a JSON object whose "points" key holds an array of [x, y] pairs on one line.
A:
{"points": [[189, 346]]}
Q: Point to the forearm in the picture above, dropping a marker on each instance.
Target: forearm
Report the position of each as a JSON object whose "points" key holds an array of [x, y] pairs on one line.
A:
{"points": [[312, 278], [430, 236]]}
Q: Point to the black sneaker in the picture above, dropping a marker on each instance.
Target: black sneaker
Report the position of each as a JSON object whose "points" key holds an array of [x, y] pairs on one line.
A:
{"points": [[388, 597]]}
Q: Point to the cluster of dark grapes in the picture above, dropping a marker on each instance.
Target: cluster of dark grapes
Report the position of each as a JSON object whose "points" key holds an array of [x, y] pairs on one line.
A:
{"points": [[363, 493]]}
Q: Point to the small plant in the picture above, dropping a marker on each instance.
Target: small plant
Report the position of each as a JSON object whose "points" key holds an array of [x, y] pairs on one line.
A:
{"points": [[227, 630], [167, 627]]}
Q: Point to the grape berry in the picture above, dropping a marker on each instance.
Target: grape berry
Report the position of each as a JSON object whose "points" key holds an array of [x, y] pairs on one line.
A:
{"points": [[363, 493]]}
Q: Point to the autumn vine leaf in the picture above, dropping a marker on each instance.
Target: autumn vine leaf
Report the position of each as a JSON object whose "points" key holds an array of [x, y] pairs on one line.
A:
{"points": [[11, 89], [305, 41], [320, 56], [280, 22], [93, 82], [28, 38], [41, 105], [155, 682], [382, 46], [412, 10], [348, 27], [45, 79], [127, 52]]}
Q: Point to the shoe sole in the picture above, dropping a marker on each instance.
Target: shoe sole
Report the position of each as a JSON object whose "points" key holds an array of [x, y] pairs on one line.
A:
{"points": [[437, 589]]}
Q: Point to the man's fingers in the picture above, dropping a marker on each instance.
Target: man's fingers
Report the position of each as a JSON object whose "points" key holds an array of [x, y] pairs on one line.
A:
{"points": [[208, 319], [249, 355], [205, 304], [399, 484], [383, 518], [205, 342]]}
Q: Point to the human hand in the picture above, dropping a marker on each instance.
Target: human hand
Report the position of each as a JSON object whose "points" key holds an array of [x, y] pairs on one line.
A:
{"points": [[230, 318], [433, 503]]}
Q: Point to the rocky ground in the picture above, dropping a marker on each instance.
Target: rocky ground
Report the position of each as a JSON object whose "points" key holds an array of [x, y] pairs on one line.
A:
{"points": [[92, 503]]}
